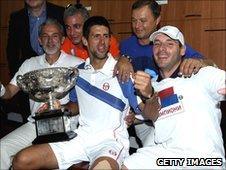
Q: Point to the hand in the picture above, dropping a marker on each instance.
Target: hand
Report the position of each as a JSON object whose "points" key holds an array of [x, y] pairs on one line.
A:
{"points": [[45, 106], [152, 108], [142, 82], [123, 69], [2, 90], [190, 66], [130, 118]]}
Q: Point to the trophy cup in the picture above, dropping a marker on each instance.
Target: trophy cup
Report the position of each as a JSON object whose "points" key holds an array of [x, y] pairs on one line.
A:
{"points": [[47, 85]]}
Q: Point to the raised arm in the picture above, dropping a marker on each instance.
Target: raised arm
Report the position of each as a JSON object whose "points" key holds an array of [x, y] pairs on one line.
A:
{"points": [[150, 105]]}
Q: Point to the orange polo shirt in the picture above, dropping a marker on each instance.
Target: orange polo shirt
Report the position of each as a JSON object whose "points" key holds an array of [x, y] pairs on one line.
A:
{"points": [[70, 48]]}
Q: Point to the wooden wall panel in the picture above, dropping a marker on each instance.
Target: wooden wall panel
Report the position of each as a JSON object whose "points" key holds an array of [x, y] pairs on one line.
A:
{"points": [[6, 7], [3, 40]]}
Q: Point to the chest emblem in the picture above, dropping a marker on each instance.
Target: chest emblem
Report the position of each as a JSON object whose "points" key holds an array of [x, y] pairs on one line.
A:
{"points": [[170, 103], [106, 86]]}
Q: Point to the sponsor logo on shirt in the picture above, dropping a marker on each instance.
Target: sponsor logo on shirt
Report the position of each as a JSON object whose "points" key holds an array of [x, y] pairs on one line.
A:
{"points": [[170, 103]]}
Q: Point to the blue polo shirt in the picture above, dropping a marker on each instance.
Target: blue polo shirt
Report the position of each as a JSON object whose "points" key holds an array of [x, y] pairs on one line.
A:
{"points": [[142, 55]]}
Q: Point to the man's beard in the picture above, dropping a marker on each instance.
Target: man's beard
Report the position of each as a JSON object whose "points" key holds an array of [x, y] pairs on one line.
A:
{"points": [[51, 50], [95, 55]]}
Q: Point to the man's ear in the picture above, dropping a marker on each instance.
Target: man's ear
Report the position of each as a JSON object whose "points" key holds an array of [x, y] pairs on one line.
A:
{"points": [[84, 41], [62, 39], [158, 20], [182, 50], [39, 40]]}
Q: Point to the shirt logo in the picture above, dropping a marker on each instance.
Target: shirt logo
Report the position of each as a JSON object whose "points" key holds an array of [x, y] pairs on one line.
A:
{"points": [[106, 86], [170, 104], [112, 152]]}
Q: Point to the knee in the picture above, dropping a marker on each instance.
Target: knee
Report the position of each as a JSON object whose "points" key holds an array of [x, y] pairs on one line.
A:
{"points": [[21, 161], [104, 163]]}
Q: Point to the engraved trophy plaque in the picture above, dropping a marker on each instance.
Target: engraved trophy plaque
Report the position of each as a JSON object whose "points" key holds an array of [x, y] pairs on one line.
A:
{"points": [[47, 85]]}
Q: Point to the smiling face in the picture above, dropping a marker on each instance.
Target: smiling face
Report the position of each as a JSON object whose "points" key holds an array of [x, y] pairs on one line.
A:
{"points": [[98, 42], [74, 26], [51, 39], [167, 52], [143, 23]]}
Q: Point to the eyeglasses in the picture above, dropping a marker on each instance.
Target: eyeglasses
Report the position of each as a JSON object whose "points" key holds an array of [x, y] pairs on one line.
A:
{"points": [[77, 6]]}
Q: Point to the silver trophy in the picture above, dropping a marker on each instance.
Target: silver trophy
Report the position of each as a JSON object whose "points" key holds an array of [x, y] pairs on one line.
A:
{"points": [[47, 85]]}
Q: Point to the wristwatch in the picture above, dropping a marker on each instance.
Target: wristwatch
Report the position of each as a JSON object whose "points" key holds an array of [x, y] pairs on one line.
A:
{"points": [[128, 57]]}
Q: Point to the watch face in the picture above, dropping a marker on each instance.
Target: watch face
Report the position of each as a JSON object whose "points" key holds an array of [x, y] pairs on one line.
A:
{"points": [[50, 126]]}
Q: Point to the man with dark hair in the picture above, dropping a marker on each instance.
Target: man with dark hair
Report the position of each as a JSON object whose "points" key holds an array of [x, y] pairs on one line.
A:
{"points": [[188, 125], [102, 137], [51, 36], [146, 16]]}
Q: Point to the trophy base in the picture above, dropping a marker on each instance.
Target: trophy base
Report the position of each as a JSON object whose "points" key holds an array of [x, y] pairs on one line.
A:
{"points": [[54, 137]]}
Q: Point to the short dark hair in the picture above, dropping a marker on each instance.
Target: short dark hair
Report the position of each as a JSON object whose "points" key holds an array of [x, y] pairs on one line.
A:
{"points": [[152, 4], [51, 21], [92, 21]]}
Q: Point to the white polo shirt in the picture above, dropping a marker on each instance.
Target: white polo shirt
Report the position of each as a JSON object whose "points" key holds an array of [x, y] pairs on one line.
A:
{"points": [[96, 115], [190, 116], [39, 62]]}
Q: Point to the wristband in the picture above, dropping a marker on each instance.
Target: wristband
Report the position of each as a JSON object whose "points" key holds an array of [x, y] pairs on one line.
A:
{"points": [[2, 90]]}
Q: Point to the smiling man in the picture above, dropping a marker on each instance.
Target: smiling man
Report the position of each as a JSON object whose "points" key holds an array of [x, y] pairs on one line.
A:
{"points": [[188, 126], [102, 137]]}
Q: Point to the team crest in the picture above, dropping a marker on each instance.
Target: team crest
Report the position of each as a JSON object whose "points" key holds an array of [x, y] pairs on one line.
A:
{"points": [[106, 86]]}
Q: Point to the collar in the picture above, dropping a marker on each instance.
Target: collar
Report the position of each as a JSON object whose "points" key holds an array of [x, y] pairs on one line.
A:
{"points": [[108, 67], [174, 75]]}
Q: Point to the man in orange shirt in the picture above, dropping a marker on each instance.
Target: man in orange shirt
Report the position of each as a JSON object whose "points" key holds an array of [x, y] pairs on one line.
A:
{"points": [[74, 18]]}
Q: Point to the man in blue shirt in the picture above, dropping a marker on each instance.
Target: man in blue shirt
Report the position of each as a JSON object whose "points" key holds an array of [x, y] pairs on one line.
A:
{"points": [[145, 19]]}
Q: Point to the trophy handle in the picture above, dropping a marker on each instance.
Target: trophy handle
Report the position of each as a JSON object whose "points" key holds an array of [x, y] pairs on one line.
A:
{"points": [[74, 74], [71, 78], [21, 83]]}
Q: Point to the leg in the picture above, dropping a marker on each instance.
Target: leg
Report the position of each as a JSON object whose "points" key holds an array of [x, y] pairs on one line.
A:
{"points": [[14, 142], [35, 157], [105, 163], [145, 133]]}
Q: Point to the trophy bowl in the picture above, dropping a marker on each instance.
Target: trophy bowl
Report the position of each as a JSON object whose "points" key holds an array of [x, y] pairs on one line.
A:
{"points": [[47, 85], [44, 85]]}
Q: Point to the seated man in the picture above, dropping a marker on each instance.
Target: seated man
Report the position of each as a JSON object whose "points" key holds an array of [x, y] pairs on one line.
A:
{"points": [[102, 137], [188, 126], [50, 37], [146, 16]]}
